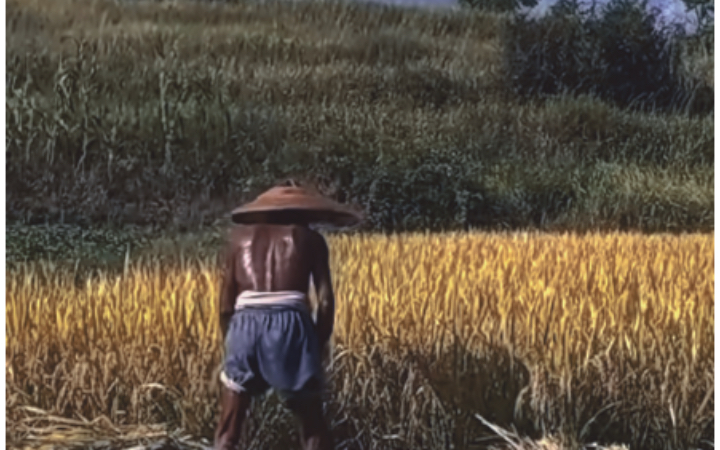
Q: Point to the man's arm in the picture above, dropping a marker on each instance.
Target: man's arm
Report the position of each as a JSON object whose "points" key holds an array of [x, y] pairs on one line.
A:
{"points": [[324, 290], [228, 292]]}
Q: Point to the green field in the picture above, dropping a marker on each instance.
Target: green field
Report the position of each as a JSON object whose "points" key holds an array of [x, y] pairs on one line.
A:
{"points": [[170, 114]]}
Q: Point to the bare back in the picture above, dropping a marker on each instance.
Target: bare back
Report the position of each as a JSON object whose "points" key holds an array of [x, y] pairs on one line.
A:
{"points": [[270, 258]]}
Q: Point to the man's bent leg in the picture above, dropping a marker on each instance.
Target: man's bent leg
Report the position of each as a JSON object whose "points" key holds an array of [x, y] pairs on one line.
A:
{"points": [[314, 432], [233, 408]]}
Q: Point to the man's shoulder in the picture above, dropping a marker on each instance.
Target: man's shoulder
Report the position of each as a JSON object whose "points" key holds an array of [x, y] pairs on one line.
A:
{"points": [[308, 234]]}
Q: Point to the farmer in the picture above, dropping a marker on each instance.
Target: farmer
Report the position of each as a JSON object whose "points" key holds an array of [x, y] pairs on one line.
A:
{"points": [[270, 337]]}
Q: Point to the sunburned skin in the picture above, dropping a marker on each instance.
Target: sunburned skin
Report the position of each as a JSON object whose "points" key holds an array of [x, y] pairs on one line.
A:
{"points": [[271, 258]]}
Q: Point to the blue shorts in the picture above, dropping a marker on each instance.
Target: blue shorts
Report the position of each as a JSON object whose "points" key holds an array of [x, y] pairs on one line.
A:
{"points": [[273, 347]]}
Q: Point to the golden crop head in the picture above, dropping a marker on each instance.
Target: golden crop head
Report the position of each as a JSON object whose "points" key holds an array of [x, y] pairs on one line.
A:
{"points": [[479, 320]]}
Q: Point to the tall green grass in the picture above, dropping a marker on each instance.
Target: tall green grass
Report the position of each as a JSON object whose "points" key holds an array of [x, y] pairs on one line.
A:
{"points": [[168, 115]]}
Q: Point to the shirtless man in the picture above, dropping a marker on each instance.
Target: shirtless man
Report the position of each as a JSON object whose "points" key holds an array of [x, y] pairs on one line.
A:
{"points": [[270, 337]]}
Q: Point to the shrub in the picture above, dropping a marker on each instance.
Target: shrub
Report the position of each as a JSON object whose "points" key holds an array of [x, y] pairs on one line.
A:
{"points": [[618, 52]]}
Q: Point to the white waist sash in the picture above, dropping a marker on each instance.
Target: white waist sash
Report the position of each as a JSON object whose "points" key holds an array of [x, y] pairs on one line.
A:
{"points": [[287, 299]]}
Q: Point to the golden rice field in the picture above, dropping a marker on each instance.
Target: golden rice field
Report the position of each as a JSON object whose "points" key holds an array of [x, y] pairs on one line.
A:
{"points": [[442, 341]]}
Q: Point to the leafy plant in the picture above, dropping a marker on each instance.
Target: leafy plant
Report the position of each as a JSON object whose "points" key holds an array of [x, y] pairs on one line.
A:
{"points": [[617, 51]]}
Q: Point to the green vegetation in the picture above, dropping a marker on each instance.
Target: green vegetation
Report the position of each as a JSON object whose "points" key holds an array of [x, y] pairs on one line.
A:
{"points": [[169, 115], [619, 52], [134, 128]]}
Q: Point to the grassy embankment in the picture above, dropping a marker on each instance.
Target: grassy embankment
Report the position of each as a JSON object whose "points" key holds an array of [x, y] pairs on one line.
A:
{"points": [[169, 115], [573, 339]]}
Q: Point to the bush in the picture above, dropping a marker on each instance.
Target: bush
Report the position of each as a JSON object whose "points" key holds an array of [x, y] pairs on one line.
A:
{"points": [[705, 13], [617, 52]]}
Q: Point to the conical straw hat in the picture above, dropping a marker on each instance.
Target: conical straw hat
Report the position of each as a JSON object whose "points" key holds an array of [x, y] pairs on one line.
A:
{"points": [[295, 203]]}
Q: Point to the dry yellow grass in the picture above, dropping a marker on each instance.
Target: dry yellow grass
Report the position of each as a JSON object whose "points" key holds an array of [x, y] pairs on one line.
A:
{"points": [[603, 338]]}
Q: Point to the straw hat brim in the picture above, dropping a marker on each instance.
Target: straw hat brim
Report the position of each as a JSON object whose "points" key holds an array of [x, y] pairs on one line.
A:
{"points": [[293, 204]]}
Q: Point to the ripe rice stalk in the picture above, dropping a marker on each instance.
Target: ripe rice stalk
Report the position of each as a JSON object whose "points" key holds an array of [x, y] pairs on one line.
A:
{"points": [[592, 338]]}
